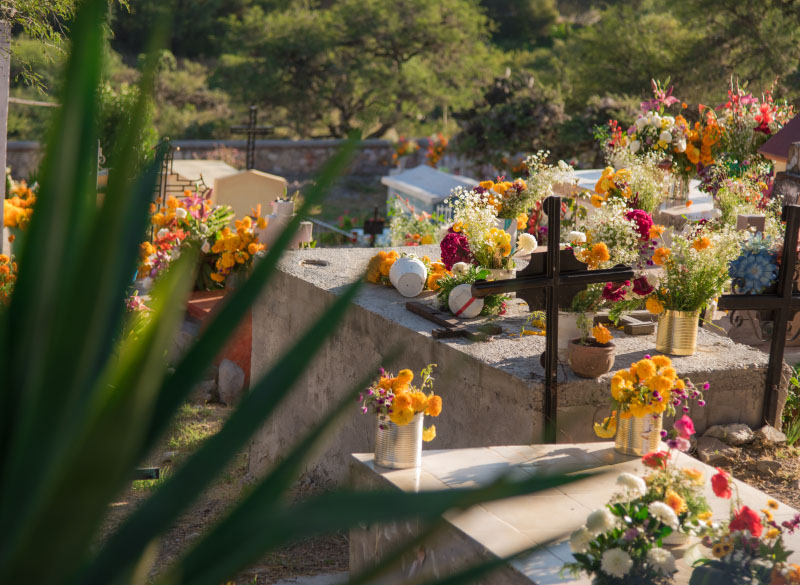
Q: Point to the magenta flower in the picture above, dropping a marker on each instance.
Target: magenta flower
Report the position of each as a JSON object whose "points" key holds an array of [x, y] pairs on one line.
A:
{"points": [[615, 291], [643, 222], [641, 287], [455, 248], [684, 426]]}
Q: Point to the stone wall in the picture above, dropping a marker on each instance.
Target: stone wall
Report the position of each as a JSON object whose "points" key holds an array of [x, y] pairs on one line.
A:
{"points": [[292, 159]]}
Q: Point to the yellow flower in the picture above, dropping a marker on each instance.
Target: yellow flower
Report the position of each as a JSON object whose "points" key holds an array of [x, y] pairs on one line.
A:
{"points": [[427, 239], [773, 533], [217, 277], [401, 417], [768, 514], [674, 500], [618, 387], [402, 401], [429, 434], [597, 200], [645, 369], [772, 504], [661, 383], [697, 477], [601, 334], [656, 231], [660, 256], [608, 428], [600, 253], [705, 515], [668, 372], [419, 400], [405, 376], [486, 184], [458, 226], [701, 243], [654, 305], [434, 406], [522, 221], [718, 550], [661, 360], [261, 222]]}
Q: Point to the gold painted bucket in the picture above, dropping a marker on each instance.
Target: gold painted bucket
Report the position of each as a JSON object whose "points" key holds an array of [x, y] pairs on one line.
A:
{"points": [[639, 435], [398, 447], [677, 332]]}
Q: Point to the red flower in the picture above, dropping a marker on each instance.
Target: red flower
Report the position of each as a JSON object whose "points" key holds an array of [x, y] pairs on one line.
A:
{"points": [[684, 426], [721, 484], [656, 460], [746, 519]]}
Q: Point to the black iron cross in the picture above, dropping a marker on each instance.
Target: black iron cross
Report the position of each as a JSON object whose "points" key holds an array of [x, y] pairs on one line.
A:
{"points": [[784, 303], [374, 227], [251, 130], [552, 279]]}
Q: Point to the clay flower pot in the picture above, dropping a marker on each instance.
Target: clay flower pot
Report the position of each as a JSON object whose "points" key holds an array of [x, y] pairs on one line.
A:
{"points": [[591, 360]]}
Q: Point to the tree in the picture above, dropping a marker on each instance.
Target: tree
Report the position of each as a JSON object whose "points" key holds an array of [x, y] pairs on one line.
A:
{"points": [[521, 23], [516, 116], [370, 64]]}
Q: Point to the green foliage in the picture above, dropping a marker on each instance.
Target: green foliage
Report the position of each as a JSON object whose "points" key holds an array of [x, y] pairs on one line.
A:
{"points": [[75, 399], [516, 115], [791, 411], [492, 304], [116, 109], [369, 64], [521, 23]]}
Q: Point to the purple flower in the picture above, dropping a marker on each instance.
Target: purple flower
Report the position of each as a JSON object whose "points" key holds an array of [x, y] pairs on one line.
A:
{"points": [[370, 392], [361, 397], [663, 433], [647, 356], [630, 534], [364, 409], [701, 403], [685, 409]]}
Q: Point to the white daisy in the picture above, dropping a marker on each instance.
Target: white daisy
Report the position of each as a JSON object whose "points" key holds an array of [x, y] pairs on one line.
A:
{"points": [[662, 512], [601, 520], [580, 539], [661, 560], [633, 485], [616, 563]]}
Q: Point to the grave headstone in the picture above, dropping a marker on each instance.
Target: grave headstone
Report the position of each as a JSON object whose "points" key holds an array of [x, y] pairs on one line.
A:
{"points": [[757, 222], [246, 190], [424, 187]]}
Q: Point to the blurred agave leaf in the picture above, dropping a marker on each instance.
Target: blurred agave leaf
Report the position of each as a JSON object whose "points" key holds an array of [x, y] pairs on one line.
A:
{"points": [[79, 410]]}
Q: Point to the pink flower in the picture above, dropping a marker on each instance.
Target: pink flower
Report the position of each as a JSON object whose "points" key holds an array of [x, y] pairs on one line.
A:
{"points": [[684, 426], [643, 222], [616, 291]]}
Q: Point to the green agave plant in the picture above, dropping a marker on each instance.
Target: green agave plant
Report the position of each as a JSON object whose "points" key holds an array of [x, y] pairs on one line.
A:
{"points": [[79, 410]]}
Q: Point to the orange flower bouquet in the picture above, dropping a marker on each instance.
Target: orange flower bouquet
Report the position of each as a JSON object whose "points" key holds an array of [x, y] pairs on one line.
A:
{"points": [[396, 400], [8, 276]]}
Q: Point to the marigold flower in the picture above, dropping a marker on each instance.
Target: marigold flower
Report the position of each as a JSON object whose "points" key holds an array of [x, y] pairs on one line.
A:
{"points": [[674, 500], [645, 369], [419, 401], [599, 253], [702, 243], [402, 400], [661, 361], [661, 255], [597, 200], [434, 407], [601, 334], [401, 417], [656, 231], [695, 475]]}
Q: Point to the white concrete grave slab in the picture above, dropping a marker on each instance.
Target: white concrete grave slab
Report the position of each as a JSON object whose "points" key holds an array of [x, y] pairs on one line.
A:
{"points": [[245, 190], [424, 186], [502, 528], [196, 169]]}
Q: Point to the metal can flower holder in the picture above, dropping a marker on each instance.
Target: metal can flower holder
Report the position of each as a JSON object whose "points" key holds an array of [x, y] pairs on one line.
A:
{"points": [[639, 435], [677, 332], [398, 447]]}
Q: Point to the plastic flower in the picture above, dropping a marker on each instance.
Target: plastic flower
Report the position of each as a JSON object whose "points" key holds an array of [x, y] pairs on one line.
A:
{"points": [[654, 305], [429, 434], [746, 519], [721, 484], [616, 562], [600, 521], [601, 334]]}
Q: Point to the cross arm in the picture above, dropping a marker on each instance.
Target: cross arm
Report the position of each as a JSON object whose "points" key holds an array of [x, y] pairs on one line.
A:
{"points": [[757, 302], [483, 288]]}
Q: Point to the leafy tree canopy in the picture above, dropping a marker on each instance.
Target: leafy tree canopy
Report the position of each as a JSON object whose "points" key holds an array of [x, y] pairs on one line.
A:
{"points": [[370, 64]]}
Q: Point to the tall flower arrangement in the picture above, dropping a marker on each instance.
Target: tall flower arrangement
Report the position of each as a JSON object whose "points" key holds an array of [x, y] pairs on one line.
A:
{"points": [[473, 236], [408, 227], [18, 205]]}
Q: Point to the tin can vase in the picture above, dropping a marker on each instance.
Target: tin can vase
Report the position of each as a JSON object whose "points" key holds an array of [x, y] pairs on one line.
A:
{"points": [[398, 447], [677, 332], [639, 435]]}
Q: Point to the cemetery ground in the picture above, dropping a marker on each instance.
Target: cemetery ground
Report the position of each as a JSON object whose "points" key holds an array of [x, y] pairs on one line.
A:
{"points": [[194, 424]]}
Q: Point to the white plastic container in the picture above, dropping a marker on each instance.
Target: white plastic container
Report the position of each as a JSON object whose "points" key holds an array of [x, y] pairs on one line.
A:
{"points": [[463, 304], [408, 276]]}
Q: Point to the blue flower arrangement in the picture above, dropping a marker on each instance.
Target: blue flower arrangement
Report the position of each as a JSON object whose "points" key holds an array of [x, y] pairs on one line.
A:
{"points": [[757, 267]]}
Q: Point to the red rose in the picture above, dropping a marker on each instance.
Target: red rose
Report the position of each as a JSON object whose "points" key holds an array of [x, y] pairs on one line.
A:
{"points": [[721, 484], [656, 460], [746, 519]]}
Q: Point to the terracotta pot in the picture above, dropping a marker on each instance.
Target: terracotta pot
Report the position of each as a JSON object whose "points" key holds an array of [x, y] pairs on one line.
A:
{"points": [[590, 361]]}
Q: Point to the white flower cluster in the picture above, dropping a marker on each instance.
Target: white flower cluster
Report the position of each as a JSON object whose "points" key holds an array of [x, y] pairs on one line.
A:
{"points": [[647, 182], [656, 132], [633, 486], [610, 226], [663, 513], [616, 562], [474, 213], [661, 560], [542, 176]]}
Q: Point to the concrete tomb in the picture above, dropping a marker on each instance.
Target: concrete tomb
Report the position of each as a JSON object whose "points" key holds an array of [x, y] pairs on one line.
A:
{"points": [[425, 187], [506, 527], [246, 190], [492, 391]]}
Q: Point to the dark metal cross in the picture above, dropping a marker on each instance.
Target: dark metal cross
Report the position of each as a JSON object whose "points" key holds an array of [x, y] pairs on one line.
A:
{"points": [[551, 280], [783, 303], [251, 130]]}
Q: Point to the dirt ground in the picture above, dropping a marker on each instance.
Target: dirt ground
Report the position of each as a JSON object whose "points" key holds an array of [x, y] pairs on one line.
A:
{"points": [[783, 485], [194, 424]]}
